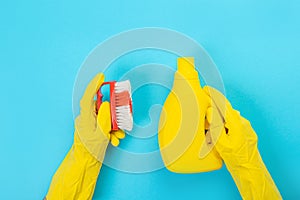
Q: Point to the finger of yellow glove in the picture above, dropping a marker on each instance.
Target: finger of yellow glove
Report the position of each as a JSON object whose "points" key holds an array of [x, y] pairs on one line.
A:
{"points": [[206, 124], [114, 140], [119, 134], [104, 119], [215, 118], [219, 100], [87, 101], [209, 115]]}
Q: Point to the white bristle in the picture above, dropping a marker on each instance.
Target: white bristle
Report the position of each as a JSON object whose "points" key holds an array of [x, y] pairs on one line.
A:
{"points": [[123, 86], [124, 115]]}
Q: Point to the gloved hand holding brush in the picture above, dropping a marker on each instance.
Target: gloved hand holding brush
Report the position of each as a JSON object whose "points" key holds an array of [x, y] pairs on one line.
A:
{"points": [[236, 143], [77, 175]]}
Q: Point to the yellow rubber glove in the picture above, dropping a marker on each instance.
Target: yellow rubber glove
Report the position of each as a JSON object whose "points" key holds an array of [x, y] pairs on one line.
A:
{"points": [[237, 145], [77, 175]]}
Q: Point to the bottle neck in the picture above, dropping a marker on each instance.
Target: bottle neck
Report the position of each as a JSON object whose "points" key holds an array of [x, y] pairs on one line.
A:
{"points": [[186, 68]]}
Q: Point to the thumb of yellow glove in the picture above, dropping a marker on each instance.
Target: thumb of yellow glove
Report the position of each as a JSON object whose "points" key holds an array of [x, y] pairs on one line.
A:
{"points": [[104, 125]]}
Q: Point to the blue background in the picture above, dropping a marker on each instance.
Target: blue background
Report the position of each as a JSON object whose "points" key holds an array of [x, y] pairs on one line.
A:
{"points": [[255, 44]]}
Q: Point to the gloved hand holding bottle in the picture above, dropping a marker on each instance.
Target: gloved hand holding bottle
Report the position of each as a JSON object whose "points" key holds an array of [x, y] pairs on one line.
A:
{"points": [[237, 146], [222, 135], [77, 175]]}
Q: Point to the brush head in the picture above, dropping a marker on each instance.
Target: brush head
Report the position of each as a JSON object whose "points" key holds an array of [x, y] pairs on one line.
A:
{"points": [[123, 105]]}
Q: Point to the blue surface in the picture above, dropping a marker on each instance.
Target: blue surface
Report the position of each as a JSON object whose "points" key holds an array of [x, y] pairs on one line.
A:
{"points": [[255, 45]]}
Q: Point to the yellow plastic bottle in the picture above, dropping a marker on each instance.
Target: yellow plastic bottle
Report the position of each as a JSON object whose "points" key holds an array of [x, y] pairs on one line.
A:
{"points": [[181, 133]]}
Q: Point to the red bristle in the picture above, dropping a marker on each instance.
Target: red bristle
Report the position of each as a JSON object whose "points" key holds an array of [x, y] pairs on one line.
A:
{"points": [[122, 98]]}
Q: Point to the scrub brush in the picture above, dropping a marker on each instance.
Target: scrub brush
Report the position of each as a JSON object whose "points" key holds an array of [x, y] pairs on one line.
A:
{"points": [[120, 104]]}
